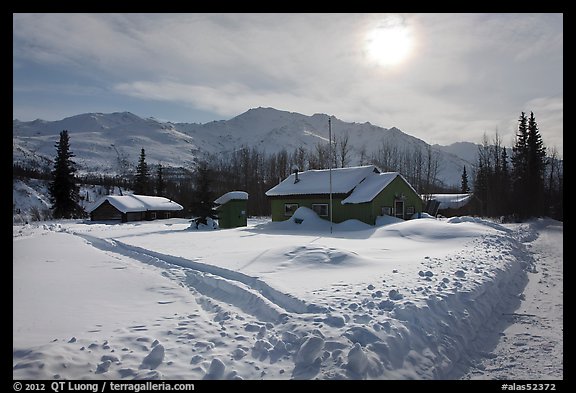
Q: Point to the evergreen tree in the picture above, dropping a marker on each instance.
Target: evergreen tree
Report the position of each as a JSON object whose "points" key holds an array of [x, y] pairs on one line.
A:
{"points": [[520, 172], [203, 206], [529, 164], [160, 185], [142, 176], [464, 188], [482, 180], [536, 165], [504, 163], [64, 193], [506, 186]]}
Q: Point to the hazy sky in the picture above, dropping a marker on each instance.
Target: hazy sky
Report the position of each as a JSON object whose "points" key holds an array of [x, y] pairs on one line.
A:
{"points": [[443, 78]]}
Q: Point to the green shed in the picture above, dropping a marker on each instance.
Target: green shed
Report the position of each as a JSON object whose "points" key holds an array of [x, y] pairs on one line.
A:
{"points": [[363, 193], [232, 209]]}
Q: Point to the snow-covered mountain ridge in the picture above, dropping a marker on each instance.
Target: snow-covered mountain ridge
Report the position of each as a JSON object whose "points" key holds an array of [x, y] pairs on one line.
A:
{"points": [[100, 140]]}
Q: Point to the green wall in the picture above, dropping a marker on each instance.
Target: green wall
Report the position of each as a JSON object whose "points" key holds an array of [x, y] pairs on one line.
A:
{"points": [[388, 195], [339, 215], [366, 212], [230, 214]]}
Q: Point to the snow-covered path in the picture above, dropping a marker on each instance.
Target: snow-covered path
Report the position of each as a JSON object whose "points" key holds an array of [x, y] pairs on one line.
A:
{"points": [[531, 346]]}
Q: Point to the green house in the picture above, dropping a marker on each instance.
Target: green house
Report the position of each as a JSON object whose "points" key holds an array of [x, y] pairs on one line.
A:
{"points": [[232, 209], [361, 193]]}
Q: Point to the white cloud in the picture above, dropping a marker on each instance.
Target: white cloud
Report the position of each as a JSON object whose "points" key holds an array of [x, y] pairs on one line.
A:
{"points": [[466, 75]]}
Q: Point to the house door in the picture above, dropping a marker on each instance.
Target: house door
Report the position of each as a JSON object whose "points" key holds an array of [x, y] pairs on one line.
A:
{"points": [[399, 209]]}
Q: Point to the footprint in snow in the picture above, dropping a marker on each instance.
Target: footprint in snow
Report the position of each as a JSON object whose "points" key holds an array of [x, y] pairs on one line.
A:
{"points": [[216, 370], [103, 367], [395, 295], [154, 358]]}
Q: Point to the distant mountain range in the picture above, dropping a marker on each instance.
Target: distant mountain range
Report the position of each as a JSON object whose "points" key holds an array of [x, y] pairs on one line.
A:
{"points": [[98, 140]]}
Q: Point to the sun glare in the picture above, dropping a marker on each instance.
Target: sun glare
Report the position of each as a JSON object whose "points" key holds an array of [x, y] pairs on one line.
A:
{"points": [[389, 43]]}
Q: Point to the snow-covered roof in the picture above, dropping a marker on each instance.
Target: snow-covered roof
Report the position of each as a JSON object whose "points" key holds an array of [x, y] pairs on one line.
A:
{"points": [[137, 203], [370, 187], [317, 181], [231, 196], [365, 182], [450, 201]]}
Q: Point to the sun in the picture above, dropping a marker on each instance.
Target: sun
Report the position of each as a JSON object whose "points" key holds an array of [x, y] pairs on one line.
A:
{"points": [[389, 43]]}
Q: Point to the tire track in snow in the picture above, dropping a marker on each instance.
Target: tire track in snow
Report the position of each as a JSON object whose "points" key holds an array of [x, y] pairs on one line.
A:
{"points": [[246, 292]]}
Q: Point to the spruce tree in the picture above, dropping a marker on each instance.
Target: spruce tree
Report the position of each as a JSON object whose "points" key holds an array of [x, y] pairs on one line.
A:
{"points": [[64, 193], [142, 176], [529, 164], [203, 206], [520, 172], [160, 185], [536, 165], [464, 188], [506, 185]]}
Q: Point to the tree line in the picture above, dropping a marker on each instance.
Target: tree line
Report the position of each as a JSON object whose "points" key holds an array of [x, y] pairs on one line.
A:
{"points": [[529, 183], [244, 169]]}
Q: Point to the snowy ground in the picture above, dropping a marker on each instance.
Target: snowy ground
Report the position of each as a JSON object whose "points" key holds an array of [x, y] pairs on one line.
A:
{"points": [[422, 299], [530, 339]]}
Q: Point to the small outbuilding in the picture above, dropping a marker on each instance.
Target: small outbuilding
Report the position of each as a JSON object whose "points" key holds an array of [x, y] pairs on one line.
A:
{"points": [[450, 205], [124, 208], [232, 209]]}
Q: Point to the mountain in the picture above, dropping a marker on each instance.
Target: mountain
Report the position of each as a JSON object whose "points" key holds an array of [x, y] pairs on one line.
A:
{"points": [[102, 141], [465, 150], [98, 140]]}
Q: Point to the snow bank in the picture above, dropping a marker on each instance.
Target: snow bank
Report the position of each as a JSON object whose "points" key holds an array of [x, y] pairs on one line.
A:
{"points": [[386, 220], [477, 220], [307, 219], [422, 215], [436, 230]]}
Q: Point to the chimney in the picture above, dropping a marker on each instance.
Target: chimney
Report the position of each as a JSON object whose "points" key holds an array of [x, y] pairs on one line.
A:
{"points": [[295, 170]]}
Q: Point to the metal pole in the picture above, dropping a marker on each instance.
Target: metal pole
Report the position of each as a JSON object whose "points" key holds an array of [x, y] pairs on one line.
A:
{"points": [[330, 167]]}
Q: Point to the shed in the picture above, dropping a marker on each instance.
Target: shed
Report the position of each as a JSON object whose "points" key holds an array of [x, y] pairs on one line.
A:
{"points": [[126, 208], [363, 193], [450, 205], [232, 209]]}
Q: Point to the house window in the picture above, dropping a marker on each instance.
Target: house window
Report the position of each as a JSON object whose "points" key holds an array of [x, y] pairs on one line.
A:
{"points": [[410, 210], [152, 215], [167, 215], [386, 211], [290, 208], [321, 209]]}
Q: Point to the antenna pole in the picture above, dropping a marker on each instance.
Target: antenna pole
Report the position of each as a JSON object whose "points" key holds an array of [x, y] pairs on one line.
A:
{"points": [[330, 167]]}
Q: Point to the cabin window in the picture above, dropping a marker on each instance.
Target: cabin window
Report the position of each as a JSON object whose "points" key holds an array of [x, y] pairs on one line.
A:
{"points": [[290, 208], [152, 215], [410, 210], [321, 209], [167, 215], [386, 211]]}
